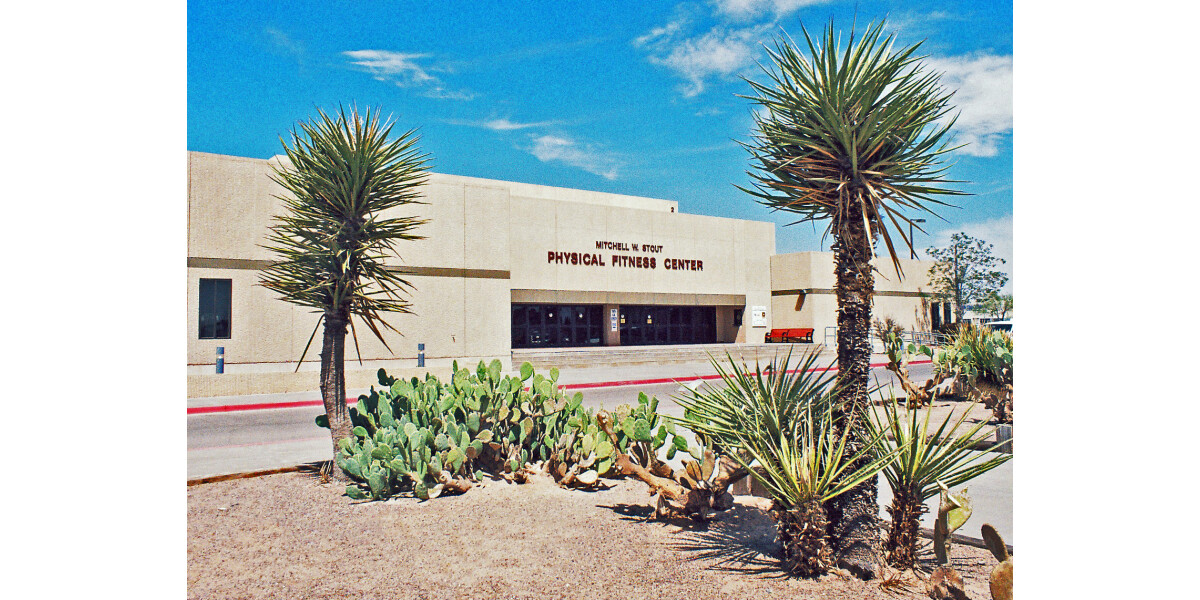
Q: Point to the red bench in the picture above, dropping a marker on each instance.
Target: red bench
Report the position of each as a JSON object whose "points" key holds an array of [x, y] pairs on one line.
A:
{"points": [[799, 335]]}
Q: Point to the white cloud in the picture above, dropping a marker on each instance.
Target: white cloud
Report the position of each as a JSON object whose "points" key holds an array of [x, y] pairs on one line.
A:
{"points": [[403, 70], [548, 148], [506, 125], [502, 124], [720, 52], [445, 94], [728, 49], [998, 232], [743, 9], [385, 65], [665, 32], [284, 42], [984, 95]]}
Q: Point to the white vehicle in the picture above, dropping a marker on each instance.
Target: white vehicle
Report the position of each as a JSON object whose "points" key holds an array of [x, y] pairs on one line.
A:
{"points": [[1005, 326]]}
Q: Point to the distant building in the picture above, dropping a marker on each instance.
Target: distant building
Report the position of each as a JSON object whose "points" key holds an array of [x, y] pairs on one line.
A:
{"points": [[507, 266]]}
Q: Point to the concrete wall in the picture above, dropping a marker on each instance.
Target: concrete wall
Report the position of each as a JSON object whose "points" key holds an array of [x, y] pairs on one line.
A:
{"points": [[803, 284], [486, 244]]}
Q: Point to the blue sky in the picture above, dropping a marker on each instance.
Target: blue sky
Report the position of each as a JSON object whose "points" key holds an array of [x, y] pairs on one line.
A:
{"points": [[640, 98]]}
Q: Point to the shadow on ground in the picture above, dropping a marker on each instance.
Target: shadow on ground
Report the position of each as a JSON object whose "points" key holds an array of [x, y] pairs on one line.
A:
{"points": [[740, 540]]}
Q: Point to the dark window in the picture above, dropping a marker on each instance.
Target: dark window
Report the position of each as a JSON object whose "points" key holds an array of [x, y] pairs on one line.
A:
{"points": [[216, 308], [646, 325], [555, 325], [737, 316]]}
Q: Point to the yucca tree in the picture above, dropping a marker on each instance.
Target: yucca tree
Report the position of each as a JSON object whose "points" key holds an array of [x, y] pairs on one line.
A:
{"points": [[782, 422], [923, 460], [331, 246], [849, 135]]}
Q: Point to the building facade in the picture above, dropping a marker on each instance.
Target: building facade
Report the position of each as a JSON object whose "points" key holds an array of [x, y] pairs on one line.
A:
{"points": [[503, 266]]}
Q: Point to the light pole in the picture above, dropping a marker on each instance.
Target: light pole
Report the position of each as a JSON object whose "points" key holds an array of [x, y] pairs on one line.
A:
{"points": [[912, 247]]}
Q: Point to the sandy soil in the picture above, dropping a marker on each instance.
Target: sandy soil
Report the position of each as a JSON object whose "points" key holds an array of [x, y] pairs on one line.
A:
{"points": [[288, 536]]}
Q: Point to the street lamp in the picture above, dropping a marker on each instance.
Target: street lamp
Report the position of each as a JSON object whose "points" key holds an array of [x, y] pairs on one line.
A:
{"points": [[912, 248]]}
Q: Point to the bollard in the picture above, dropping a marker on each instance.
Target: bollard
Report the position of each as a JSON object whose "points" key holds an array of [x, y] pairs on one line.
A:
{"points": [[420, 355], [220, 359], [1004, 434]]}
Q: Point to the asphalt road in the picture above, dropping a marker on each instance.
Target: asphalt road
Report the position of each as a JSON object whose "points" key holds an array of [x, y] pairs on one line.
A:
{"points": [[232, 442]]}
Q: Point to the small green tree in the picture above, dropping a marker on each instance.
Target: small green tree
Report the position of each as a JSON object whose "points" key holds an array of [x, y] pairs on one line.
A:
{"points": [[965, 272], [997, 305], [332, 243]]}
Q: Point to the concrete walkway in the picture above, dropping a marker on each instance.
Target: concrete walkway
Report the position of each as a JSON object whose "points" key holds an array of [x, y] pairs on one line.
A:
{"points": [[991, 493]]}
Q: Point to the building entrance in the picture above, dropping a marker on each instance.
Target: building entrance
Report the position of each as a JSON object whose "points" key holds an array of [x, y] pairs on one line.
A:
{"points": [[647, 325], [556, 325]]}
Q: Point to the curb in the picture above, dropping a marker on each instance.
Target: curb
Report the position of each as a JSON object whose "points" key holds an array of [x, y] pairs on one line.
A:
{"points": [[960, 538], [199, 410], [244, 475]]}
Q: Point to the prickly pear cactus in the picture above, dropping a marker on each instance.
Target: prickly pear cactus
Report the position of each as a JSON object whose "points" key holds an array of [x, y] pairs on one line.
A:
{"points": [[428, 437], [1001, 579], [953, 511]]}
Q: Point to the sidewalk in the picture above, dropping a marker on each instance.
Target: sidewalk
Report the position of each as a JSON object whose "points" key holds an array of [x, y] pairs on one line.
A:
{"points": [[570, 378]]}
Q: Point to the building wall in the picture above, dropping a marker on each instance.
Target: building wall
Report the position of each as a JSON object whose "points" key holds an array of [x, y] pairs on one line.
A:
{"points": [[487, 244], [803, 284]]}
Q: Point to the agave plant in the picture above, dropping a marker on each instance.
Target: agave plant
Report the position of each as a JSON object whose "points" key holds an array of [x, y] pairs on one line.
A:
{"points": [[783, 421], [923, 462]]}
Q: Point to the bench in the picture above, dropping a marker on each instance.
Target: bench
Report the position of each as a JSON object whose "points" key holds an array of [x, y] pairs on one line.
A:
{"points": [[799, 335], [775, 336]]}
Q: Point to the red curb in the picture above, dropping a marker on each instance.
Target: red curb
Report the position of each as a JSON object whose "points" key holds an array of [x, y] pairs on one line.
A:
{"points": [[199, 410]]}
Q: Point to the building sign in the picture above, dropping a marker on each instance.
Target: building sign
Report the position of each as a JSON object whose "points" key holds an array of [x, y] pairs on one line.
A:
{"points": [[612, 317], [598, 259], [758, 316]]}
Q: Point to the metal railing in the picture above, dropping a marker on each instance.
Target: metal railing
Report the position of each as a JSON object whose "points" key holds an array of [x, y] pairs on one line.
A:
{"points": [[927, 338]]}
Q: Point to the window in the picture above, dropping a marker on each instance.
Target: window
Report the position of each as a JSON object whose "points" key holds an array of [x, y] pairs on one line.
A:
{"points": [[737, 316], [556, 325], [216, 307]]}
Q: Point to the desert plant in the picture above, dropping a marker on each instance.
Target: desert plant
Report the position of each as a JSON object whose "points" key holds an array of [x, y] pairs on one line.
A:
{"points": [[924, 460], [783, 422], [898, 358], [953, 511], [342, 175], [429, 437], [1001, 579], [852, 136], [886, 330], [981, 361], [425, 437]]}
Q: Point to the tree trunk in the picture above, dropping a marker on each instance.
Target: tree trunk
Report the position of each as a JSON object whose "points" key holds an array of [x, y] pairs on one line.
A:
{"points": [[854, 523], [805, 552], [906, 510], [333, 384]]}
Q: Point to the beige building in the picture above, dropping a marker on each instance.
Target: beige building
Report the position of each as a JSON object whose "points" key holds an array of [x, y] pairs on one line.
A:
{"points": [[503, 266], [803, 295]]}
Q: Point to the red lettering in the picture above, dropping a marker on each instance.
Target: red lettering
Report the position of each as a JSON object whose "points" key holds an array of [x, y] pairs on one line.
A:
{"points": [[699, 265], [651, 262]]}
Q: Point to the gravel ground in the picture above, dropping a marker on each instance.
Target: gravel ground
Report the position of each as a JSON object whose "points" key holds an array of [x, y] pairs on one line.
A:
{"points": [[288, 536]]}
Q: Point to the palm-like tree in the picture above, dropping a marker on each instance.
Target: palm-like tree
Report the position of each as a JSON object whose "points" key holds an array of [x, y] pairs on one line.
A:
{"points": [[331, 245], [925, 459], [851, 137], [782, 422]]}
